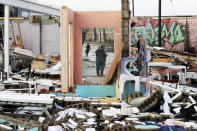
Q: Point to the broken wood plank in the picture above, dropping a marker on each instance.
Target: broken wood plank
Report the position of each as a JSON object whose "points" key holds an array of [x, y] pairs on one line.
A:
{"points": [[112, 67], [24, 52], [17, 121], [20, 37], [71, 56], [53, 60], [118, 80], [63, 48], [13, 35]]}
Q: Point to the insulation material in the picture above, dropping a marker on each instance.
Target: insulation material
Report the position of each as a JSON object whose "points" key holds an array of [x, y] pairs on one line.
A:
{"points": [[111, 112], [6, 127], [27, 98], [24, 52], [55, 128]]}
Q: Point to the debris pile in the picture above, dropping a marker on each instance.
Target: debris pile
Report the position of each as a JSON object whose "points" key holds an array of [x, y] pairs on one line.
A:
{"points": [[167, 102], [20, 111], [89, 114], [147, 114]]}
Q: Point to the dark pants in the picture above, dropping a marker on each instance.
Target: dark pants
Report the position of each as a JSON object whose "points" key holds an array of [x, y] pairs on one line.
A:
{"points": [[102, 67], [98, 66], [87, 52]]}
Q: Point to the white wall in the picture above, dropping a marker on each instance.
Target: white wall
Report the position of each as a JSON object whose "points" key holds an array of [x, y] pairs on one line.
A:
{"points": [[31, 37], [51, 39]]}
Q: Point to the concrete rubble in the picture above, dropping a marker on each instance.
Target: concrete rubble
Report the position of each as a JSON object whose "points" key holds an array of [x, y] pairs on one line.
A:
{"points": [[33, 103]]}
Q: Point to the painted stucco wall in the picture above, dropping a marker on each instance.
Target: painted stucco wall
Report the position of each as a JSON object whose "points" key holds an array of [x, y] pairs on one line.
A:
{"points": [[178, 33], [99, 19]]}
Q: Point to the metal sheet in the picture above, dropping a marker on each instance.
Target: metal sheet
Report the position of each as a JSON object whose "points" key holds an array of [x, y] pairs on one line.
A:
{"points": [[31, 6]]}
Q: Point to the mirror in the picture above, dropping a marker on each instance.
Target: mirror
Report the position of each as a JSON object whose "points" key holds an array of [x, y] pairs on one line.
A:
{"points": [[98, 53]]}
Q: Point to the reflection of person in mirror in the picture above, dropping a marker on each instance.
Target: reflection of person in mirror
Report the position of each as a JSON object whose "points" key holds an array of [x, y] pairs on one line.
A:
{"points": [[100, 60], [98, 63], [87, 49], [103, 59]]}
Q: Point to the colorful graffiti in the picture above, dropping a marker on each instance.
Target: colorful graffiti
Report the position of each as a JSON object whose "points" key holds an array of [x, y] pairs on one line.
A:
{"points": [[174, 34]]}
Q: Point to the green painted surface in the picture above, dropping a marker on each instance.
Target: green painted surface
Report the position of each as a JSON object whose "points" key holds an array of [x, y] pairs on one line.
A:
{"points": [[129, 88], [174, 34], [103, 90], [96, 90]]}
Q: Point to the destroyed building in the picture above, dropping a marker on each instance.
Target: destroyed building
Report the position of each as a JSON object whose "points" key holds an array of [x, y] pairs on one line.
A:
{"points": [[147, 85]]}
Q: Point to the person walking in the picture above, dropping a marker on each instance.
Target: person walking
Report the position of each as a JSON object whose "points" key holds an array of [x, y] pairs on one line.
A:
{"points": [[87, 49], [98, 60], [103, 59]]}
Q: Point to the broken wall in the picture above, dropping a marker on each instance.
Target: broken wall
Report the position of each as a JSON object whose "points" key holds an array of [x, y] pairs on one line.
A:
{"points": [[178, 33], [48, 32]]}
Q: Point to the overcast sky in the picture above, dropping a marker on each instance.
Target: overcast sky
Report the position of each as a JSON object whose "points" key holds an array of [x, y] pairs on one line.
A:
{"points": [[142, 7]]}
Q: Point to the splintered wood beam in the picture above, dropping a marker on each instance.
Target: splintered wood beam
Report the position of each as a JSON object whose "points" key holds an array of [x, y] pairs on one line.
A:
{"points": [[118, 81], [112, 67], [17, 121], [13, 35], [63, 49], [71, 56], [20, 36]]}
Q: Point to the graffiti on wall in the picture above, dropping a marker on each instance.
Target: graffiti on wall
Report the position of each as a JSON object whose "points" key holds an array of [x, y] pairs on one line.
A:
{"points": [[171, 36], [174, 34]]}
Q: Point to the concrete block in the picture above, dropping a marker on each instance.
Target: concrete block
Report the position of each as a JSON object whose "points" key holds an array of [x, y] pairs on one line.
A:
{"points": [[125, 23], [31, 17], [50, 39], [149, 102], [125, 30], [35, 39], [126, 41], [125, 6], [125, 14]]}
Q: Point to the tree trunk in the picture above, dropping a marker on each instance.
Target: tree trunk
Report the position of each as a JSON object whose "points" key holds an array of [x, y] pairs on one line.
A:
{"points": [[104, 35], [95, 34], [100, 37], [84, 31]]}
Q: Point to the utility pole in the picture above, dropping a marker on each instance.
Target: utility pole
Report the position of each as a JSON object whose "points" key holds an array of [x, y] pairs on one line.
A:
{"points": [[159, 34], [130, 28]]}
